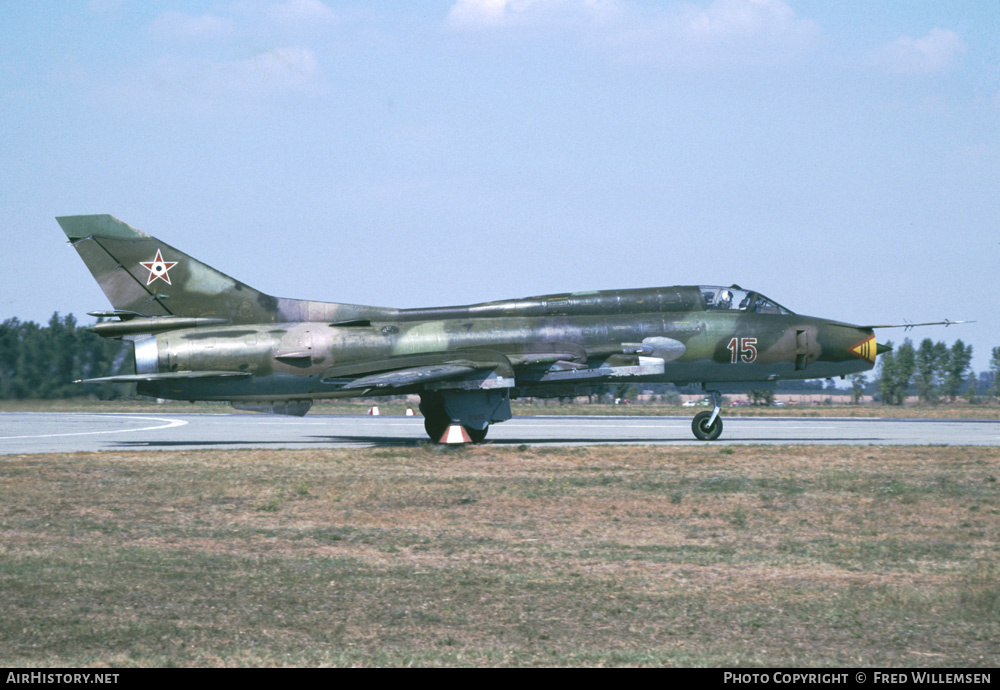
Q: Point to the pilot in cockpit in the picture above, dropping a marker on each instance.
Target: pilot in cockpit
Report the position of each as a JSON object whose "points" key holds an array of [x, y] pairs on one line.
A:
{"points": [[725, 300]]}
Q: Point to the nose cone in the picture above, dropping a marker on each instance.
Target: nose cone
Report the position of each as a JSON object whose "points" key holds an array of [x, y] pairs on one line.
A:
{"points": [[867, 349], [881, 349]]}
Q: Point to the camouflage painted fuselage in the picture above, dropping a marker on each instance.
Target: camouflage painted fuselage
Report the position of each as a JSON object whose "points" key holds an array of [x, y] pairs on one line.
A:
{"points": [[607, 330], [201, 335]]}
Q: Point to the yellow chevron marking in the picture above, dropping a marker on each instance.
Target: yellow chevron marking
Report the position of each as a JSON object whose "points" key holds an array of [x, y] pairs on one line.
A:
{"points": [[866, 349]]}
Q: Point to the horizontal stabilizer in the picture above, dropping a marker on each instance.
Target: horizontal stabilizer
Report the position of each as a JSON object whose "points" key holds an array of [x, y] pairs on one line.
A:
{"points": [[167, 376], [120, 313], [149, 325]]}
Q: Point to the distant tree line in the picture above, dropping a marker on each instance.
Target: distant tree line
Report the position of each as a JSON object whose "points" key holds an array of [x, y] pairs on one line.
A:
{"points": [[44, 361], [935, 372]]}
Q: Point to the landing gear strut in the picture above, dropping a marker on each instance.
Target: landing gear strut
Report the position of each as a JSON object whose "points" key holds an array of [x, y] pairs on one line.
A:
{"points": [[707, 426]]}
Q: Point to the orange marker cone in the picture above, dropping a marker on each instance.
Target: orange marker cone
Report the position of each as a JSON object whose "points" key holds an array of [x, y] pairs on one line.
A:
{"points": [[456, 433], [373, 410], [410, 412]]}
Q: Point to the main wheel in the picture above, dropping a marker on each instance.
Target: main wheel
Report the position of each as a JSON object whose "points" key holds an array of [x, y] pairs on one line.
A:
{"points": [[477, 435], [436, 420], [435, 428], [701, 429]]}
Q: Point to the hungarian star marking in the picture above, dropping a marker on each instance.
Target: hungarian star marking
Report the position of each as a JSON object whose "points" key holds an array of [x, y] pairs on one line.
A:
{"points": [[158, 268]]}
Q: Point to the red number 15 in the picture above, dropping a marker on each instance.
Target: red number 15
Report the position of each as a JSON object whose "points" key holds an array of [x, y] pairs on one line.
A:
{"points": [[743, 349]]}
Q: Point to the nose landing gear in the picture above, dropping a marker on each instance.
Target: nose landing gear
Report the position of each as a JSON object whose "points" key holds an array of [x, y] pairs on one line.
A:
{"points": [[707, 426]]}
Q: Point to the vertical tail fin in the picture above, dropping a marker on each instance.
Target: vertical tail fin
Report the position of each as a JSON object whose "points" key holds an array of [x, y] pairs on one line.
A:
{"points": [[141, 274]]}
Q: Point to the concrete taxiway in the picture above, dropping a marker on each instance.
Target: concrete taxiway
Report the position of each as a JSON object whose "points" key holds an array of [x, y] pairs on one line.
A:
{"points": [[35, 432]]}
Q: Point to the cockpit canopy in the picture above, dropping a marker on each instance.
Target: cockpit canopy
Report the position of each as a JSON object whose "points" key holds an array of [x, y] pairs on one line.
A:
{"points": [[735, 298]]}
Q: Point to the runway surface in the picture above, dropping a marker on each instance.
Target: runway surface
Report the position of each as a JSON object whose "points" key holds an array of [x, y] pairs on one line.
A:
{"points": [[37, 432]]}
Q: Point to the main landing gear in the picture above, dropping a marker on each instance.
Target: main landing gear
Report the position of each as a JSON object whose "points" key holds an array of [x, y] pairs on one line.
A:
{"points": [[436, 420], [707, 426], [473, 410]]}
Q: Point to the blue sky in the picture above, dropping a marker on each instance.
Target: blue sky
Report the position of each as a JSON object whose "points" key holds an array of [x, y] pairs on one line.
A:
{"points": [[843, 158]]}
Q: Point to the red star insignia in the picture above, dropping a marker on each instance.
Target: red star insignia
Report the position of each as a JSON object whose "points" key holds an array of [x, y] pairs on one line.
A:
{"points": [[158, 268]]}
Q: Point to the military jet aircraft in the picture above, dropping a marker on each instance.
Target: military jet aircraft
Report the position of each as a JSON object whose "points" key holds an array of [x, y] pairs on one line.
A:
{"points": [[200, 335]]}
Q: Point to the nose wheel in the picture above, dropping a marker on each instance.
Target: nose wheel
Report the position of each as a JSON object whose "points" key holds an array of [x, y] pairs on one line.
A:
{"points": [[707, 426]]}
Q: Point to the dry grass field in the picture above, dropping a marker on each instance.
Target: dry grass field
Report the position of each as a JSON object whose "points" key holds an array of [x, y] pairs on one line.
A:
{"points": [[792, 556]]}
